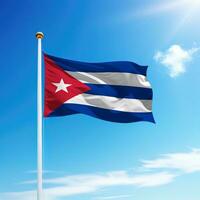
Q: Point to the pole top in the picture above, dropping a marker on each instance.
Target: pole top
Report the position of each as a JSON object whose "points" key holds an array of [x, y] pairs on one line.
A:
{"points": [[39, 35]]}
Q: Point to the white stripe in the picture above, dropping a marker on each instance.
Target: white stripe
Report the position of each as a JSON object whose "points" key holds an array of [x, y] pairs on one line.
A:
{"points": [[112, 103], [112, 78]]}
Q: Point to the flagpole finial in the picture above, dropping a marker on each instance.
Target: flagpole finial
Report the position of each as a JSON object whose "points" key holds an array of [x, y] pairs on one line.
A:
{"points": [[39, 35]]}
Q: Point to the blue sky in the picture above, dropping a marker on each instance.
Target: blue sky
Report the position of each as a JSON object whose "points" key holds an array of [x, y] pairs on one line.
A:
{"points": [[86, 158]]}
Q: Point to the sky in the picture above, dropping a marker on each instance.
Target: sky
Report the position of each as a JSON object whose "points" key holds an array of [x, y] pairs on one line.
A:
{"points": [[88, 158]]}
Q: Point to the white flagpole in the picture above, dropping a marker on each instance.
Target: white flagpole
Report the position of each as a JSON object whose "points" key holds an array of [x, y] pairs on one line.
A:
{"points": [[39, 36]]}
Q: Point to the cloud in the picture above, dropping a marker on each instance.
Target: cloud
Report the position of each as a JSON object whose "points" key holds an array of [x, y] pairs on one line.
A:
{"points": [[113, 197], [175, 59], [80, 184], [89, 183], [184, 162], [113, 178], [153, 173], [44, 171], [28, 195]]}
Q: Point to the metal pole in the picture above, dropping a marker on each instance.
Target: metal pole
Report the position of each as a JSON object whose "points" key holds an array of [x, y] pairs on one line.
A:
{"points": [[39, 36]]}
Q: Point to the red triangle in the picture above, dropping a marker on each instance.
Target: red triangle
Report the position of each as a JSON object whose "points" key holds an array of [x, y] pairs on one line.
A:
{"points": [[54, 74]]}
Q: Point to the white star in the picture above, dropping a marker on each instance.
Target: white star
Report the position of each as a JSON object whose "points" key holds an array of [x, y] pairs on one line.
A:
{"points": [[61, 86]]}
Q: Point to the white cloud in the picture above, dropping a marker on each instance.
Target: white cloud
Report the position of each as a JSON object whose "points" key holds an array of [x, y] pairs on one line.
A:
{"points": [[89, 183], [185, 162], [156, 172], [28, 195], [175, 59], [44, 171], [114, 178], [113, 197]]}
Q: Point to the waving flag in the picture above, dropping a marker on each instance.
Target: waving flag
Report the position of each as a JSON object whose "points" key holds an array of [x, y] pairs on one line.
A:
{"points": [[112, 91]]}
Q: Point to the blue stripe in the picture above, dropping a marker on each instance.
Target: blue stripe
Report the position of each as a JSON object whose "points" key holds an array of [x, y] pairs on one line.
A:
{"points": [[116, 66], [120, 91], [104, 114]]}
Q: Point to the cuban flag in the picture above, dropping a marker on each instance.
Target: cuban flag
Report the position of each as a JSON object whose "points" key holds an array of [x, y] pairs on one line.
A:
{"points": [[112, 91]]}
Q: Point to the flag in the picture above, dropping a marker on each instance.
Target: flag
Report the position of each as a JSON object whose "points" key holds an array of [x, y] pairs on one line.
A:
{"points": [[112, 91]]}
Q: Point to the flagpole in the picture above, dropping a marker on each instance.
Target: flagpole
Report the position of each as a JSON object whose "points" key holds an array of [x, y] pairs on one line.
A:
{"points": [[39, 36]]}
